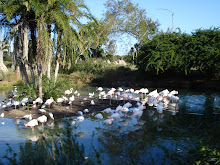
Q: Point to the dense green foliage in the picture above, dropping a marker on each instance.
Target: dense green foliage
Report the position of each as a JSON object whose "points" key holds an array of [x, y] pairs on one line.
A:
{"points": [[182, 53]]}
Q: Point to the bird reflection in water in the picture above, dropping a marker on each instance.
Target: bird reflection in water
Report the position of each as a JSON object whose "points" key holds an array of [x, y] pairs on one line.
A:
{"points": [[33, 138]]}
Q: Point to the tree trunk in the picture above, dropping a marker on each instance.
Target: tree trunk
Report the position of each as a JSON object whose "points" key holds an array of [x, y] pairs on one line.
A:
{"points": [[40, 55], [58, 56], [33, 51], [50, 52], [15, 65], [3, 68], [40, 94], [24, 58]]}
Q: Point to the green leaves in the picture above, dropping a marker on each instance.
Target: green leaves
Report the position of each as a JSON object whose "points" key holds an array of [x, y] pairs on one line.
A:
{"points": [[125, 17], [182, 52]]}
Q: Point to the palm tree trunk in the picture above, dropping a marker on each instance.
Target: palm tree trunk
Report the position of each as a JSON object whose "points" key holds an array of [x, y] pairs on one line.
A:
{"points": [[40, 55], [3, 68], [50, 51], [40, 82], [58, 56], [25, 54]]}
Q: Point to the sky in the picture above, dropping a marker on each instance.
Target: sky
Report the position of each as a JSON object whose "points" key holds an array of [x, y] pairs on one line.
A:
{"points": [[189, 15]]}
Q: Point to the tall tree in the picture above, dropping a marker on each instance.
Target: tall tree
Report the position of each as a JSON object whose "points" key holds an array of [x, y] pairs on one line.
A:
{"points": [[3, 68], [125, 17]]}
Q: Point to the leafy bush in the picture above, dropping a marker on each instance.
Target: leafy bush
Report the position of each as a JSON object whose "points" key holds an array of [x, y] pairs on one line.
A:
{"points": [[181, 53], [50, 88]]}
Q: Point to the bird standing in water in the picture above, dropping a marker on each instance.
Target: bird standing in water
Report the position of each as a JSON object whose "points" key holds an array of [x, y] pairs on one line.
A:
{"points": [[42, 119]]}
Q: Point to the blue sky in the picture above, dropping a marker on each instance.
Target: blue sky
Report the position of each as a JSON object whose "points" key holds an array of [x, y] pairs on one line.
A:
{"points": [[189, 15]]}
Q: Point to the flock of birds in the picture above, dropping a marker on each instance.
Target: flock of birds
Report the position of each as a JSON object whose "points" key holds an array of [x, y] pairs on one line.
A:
{"points": [[142, 97]]}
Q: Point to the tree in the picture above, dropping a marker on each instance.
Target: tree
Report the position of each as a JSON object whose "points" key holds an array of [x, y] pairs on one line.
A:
{"points": [[125, 17], [3, 68], [37, 17]]}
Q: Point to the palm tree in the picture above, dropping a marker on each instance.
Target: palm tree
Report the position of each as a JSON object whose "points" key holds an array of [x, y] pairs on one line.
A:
{"points": [[3, 68], [38, 17]]}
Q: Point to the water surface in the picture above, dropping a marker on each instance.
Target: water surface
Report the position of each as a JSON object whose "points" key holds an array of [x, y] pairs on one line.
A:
{"points": [[172, 138]]}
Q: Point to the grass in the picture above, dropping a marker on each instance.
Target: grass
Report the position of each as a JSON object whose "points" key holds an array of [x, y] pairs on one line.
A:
{"points": [[8, 80]]}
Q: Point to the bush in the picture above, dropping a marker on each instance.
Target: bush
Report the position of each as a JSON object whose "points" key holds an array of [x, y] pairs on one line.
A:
{"points": [[182, 53]]}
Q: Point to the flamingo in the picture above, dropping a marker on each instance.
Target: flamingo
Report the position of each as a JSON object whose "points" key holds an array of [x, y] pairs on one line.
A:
{"points": [[32, 124], [28, 117], [71, 99], [49, 102], [107, 110], [164, 93], [127, 105], [39, 100], [80, 113], [124, 110], [51, 115], [154, 93], [91, 94], [100, 89], [174, 98], [144, 91], [92, 102], [108, 121], [68, 92], [80, 118], [42, 119], [85, 111], [138, 114], [60, 100], [24, 101], [99, 116], [16, 103], [115, 115], [119, 108], [102, 94], [160, 107], [110, 93], [42, 110]]}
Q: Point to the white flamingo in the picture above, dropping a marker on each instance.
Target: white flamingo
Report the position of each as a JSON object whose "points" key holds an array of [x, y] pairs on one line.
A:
{"points": [[60, 100], [68, 92], [108, 121], [28, 117], [51, 115], [16, 103], [2, 115], [92, 102], [49, 102], [32, 124], [107, 110], [71, 99], [115, 115], [42, 119], [39, 100], [85, 110], [111, 93], [99, 116], [100, 89], [91, 94], [80, 118]]}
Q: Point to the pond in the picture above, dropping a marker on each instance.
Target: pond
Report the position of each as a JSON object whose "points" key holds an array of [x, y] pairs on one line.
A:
{"points": [[186, 134]]}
